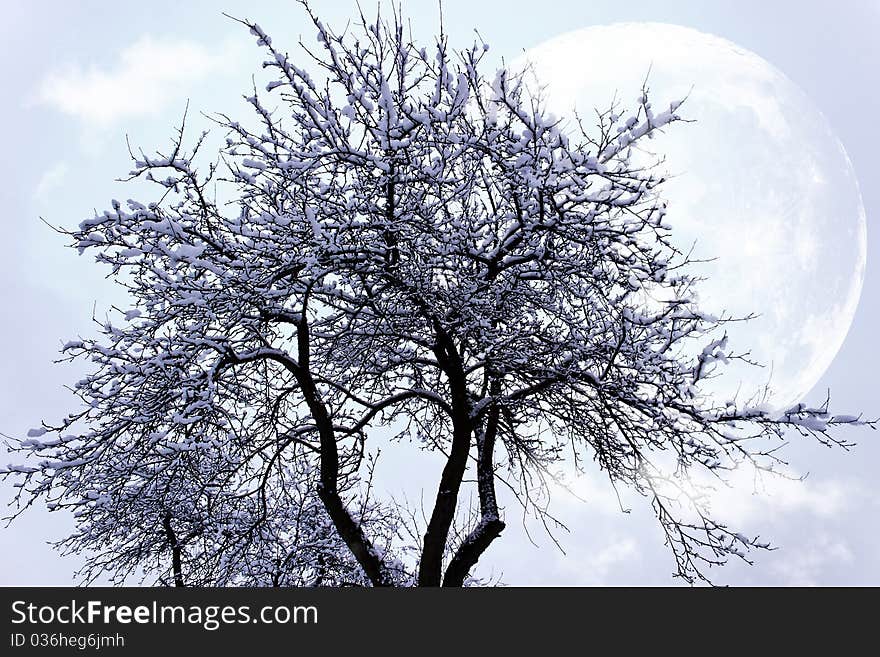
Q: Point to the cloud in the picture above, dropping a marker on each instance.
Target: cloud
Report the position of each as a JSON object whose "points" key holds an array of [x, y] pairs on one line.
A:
{"points": [[805, 564], [744, 497], [149, 74], [51, 179], [747, 500], [617, 552], [594, 491], [593, 568]]}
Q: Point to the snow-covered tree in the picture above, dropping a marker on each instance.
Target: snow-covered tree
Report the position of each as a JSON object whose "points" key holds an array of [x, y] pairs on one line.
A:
{"points": [[403, 240]]}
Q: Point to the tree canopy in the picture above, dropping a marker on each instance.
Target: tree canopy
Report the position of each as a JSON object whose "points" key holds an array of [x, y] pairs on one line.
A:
{"points": [[401, 240]]}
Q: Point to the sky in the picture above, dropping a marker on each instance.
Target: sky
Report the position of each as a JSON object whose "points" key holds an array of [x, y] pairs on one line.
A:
{"points": [[78, 77]]}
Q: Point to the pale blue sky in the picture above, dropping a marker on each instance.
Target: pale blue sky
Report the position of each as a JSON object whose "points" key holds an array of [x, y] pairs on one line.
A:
{"points": [[64, 145]]}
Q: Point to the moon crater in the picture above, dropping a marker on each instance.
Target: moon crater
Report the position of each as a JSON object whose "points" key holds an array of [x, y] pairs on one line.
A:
{"points": [[758, 183]]}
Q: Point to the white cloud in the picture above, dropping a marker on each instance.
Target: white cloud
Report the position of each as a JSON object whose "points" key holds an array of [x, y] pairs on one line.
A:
{"points": [[746, 497], [594, 491], [148, 75], [51, 179], [594, 568], [601, 563], [804, 564], [748, 500]]}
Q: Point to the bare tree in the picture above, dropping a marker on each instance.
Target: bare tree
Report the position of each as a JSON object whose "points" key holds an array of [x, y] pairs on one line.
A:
{"points": [[407, 242]]}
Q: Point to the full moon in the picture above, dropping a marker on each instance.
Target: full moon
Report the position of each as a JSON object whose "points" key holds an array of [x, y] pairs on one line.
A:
{"points": [[758, 183]]}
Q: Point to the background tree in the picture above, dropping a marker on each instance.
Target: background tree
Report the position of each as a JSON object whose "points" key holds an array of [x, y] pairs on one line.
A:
{"points": [[402, 241]]}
